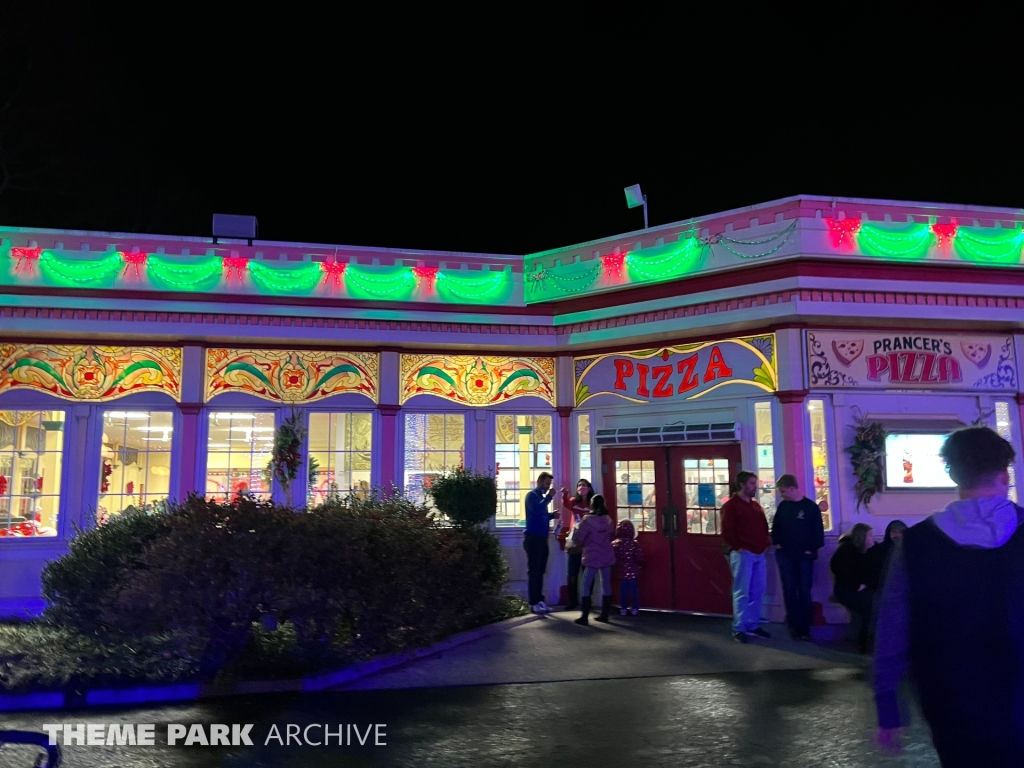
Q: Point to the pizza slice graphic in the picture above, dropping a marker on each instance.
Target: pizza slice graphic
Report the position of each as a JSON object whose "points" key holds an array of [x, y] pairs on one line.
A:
{"points": [[847, 350], [976, 352]]}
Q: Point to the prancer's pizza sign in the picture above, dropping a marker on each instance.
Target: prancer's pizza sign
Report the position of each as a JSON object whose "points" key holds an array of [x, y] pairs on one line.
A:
{"points": [[910, 360]]}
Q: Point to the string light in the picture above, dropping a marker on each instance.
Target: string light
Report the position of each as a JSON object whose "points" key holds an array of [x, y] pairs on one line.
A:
{"points": [[78, 271], [285, 279], [136, 259], [843, 231], [236, 265], [485, 287], [944, 234], [183, 277], [1004, 248], [425, 277], [381, 286], [334, 271], [675, 260], [611, 264], [912, 242], [26, 257], [784, 235]]}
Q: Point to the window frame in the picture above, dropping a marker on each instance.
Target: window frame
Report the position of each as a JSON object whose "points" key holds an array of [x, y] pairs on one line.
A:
{"points": [[376, 442], [828, 413], [494, 413]]}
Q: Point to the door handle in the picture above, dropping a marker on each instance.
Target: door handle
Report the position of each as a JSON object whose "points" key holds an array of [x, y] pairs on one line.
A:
{"points": [[670, 522]]}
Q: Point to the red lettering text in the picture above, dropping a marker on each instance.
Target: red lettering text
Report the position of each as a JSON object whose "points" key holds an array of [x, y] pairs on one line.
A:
{"points": [[641, 388], [949, 370], [717, 369], [686, 368], [928, 368], [623, 368], [877, 365], [664, 387]]}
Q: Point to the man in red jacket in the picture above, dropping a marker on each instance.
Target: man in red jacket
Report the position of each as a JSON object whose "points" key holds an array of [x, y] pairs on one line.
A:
{"points": [[745, 530]]}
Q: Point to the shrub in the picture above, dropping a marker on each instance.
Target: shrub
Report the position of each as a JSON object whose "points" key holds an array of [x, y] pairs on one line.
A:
{"points": [[466, 497], [353, 577]]}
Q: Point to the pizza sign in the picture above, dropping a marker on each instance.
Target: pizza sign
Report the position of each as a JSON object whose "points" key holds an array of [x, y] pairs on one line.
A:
{"points": [[681, 372], [911, 360]]}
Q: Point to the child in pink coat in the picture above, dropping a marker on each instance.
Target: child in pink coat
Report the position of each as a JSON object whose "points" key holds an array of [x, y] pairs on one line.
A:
{"points": [[629, 558]]}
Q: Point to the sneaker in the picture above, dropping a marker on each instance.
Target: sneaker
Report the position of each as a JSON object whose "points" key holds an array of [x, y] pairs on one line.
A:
{"points": [[760, 633], [739, 637], [623, 611], [538, 608], [544, 607], [635, 612]]}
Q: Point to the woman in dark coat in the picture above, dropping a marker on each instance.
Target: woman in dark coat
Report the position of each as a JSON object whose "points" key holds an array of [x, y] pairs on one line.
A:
{"points": [[850, 568]]}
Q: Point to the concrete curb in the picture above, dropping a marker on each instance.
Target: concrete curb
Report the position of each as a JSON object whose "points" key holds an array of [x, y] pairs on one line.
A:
{"points": [[105, 697]]}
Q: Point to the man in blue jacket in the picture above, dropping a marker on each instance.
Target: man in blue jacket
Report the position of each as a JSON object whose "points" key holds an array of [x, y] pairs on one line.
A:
{"points": [[952, 614], [797, 533], [535, 539]]}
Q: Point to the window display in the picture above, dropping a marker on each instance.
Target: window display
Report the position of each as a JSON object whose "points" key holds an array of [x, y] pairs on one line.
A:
{"points": [[434, 442], [765, 459], [339, 455], [135, 460], [31, 445], [239, 448], [913, 461], [519, 458], [819, 461]]}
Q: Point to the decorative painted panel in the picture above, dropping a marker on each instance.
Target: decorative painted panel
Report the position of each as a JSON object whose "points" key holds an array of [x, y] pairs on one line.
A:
{"points": [[730, 367], [302, 376], [478, 380], [92, 373]]}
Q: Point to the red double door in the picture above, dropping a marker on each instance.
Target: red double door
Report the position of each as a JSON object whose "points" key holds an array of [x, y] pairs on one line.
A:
{"points": [[674, 497]]}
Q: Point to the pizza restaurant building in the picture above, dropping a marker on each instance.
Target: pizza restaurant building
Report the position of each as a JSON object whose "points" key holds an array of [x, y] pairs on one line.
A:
{"points": [[658, 364]]}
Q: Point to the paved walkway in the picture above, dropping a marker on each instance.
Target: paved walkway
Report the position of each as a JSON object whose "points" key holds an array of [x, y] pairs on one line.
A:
{"points": [[648, 645]]}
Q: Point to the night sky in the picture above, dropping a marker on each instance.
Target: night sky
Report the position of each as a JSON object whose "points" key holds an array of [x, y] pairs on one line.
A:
{"points": [[504, 134]]}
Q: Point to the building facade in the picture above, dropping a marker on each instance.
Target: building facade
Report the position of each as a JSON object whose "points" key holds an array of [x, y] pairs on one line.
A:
{"points": [[657, 364]]}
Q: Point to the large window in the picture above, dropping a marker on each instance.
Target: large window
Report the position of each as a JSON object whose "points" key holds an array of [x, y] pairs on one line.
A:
{"points": [[238, 451], [819, 460], [583, 441], [135, 460], [522, 451], [31, 443], [1005, 431], [434, 442], [339, 454], [765, 459]]}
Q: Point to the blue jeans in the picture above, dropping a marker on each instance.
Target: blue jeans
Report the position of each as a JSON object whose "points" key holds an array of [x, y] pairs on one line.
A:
{"points": [[748, 583], [626, 588], [797, 573], [536, 563], [606, 580]]}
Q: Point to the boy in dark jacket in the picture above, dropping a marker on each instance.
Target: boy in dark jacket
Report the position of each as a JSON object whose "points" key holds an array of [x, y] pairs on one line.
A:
{"points": [[797, 533], [629, 559], [952, 613]]}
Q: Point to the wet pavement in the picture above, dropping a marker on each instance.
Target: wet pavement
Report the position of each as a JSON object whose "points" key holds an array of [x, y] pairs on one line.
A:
{"points": [[776, 703]]}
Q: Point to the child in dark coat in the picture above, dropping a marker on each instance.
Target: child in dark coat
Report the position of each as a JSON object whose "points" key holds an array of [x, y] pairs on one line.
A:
{"points": [[629, 558]]}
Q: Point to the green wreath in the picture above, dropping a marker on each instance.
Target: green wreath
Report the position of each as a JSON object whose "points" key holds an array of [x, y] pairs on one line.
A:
{"points": [[286, 459], [866, 455]]}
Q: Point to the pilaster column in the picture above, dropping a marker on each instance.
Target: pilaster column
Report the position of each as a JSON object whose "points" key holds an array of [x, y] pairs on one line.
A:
{"points": [[795, 444], [389, 426], [189, 450]]}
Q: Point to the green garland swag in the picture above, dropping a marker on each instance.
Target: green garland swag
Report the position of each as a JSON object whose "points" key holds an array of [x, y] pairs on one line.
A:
{"points": [[866, 455], [286, 459]]}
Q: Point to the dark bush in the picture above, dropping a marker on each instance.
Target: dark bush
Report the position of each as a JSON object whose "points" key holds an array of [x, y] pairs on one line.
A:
{"points": [[361, 577], [466, 497]]}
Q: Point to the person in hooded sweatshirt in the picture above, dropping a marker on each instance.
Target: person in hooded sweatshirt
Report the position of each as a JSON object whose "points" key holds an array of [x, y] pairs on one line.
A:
{"points": [[595, 533], [629, 559], [574, 509], [878, 557], [952, 614]]}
